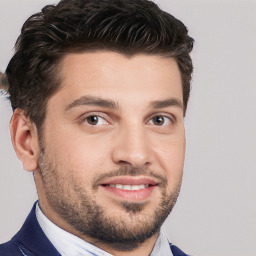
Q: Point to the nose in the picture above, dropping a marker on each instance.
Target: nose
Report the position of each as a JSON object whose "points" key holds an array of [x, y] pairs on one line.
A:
{"points": [[131, 146]]}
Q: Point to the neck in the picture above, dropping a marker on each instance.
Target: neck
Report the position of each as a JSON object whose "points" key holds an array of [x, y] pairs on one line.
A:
{"points": [[142, 249]]}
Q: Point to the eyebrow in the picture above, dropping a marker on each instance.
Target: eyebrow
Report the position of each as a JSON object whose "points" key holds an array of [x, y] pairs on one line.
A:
{"points": [[167, 103], [92, 101], [106, 103]]}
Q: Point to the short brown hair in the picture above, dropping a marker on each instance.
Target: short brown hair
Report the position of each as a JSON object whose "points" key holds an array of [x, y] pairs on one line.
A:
{"points": [[127, 27]]}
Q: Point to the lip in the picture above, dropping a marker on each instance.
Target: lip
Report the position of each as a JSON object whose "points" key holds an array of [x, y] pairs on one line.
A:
{"points": [[127, 180], [130, 195]]}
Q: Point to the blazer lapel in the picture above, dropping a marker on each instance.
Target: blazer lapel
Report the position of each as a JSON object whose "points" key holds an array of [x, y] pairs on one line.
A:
{"points": [[31, 239]]}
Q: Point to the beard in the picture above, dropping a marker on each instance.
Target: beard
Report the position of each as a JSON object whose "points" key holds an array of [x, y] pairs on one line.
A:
{"points": [[72, 201]]}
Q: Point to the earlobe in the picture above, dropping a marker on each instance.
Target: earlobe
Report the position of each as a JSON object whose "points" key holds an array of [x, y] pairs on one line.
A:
{"points": [[25, 140]]}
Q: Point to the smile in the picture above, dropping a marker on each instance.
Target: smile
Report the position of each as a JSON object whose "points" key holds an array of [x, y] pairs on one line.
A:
{"points": [[137, 189], [128, 187]]}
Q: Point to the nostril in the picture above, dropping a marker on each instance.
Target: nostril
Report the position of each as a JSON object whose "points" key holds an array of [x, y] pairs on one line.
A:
{"points": [[123, 162]]}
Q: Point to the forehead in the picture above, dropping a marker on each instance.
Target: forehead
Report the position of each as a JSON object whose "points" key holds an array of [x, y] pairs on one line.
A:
{"points": [[116, 76]]}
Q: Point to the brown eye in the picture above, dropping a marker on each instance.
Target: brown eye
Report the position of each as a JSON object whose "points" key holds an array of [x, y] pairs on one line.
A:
{"points": [[92, 120], [95, 120], [160, 120]]}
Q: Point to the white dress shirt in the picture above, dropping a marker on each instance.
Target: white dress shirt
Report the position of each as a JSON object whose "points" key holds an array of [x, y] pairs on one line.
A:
{"points": [[71, 245]]}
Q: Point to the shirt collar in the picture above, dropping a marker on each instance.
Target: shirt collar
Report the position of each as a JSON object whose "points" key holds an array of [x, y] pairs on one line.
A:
{"points": [[68, 244]]}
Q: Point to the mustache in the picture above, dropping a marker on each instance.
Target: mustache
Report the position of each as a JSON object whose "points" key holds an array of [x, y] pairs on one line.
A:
{"points": [[129, 171]]}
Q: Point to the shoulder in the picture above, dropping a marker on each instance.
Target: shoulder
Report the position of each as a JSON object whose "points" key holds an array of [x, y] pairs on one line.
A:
{"points": [[12, 248], [30, 240], [9, 249], [177, 251]]}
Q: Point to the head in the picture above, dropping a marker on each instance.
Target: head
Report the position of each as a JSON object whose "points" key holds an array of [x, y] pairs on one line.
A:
{"points": [[127, 27], [100, 90]]}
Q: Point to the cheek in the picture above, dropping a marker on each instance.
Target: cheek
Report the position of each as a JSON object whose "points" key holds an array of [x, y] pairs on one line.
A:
{"points": [[83, 155], [171, 158]]}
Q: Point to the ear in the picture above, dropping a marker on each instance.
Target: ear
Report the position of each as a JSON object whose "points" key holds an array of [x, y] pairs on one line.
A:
{"points": [[25, 140]]}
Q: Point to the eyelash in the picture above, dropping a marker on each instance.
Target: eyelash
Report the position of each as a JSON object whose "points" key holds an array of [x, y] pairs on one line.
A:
{"points": [[85, 119], [170, 120], [165, 119]]}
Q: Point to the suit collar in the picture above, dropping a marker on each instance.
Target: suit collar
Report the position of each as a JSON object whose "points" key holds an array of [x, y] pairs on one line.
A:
{"points": [[32, 238]]}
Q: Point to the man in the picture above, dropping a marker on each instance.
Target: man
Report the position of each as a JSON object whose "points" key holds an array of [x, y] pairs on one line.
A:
{"points": [[99, 91]]}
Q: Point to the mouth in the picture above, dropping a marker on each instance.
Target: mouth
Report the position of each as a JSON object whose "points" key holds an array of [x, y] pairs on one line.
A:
{"points": [[128, 187], [131, 189]]}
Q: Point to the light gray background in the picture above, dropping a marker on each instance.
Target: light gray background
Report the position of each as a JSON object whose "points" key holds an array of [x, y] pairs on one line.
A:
{"points": [[216, 210]]}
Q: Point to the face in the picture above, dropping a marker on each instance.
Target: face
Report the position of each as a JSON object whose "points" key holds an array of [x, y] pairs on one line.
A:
{"points": [[112, 148]]}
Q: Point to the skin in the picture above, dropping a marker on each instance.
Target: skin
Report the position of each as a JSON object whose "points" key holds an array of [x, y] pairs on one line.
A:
{"points": [[82, 154]]}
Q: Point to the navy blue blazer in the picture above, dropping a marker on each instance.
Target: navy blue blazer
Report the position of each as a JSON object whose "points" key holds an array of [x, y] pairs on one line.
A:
{"points": [[31, 241]]}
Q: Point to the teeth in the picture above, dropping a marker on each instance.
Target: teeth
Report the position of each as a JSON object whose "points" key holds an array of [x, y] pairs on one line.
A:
{"points": [[128, 187]]}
